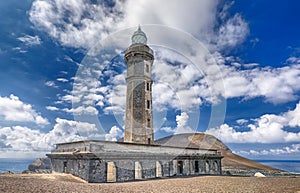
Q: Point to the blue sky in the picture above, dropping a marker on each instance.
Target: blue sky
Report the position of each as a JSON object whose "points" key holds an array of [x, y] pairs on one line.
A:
{"points": [[241, 84]]}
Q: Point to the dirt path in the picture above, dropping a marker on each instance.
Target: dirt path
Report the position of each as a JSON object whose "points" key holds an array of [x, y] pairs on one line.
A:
{"points": [[66, 183]]}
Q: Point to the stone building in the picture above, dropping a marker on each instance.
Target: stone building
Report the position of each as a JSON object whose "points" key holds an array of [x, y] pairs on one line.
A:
{"points": [[137, 157]]}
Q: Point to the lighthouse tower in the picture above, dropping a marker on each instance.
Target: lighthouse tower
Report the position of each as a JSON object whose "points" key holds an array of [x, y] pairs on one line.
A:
{"points": [[138, 118]]}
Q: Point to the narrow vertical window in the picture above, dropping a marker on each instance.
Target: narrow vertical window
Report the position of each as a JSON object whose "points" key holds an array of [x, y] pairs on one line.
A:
{"points": [[148, 86], [148, 104], [148, 123], [196, 166], [147, 68], [64, 167]]}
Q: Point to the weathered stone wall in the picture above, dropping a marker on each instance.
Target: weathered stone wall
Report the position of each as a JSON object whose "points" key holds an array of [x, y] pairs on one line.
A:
{"points": [[166, 167], [97, 171], [125, 170], [108, 161], [76, 167], [148, 168]]}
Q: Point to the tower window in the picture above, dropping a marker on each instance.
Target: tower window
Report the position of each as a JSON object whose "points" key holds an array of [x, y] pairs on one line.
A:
{"points": [[148, 86], [147, 68], [148, 104], [148, 122]]}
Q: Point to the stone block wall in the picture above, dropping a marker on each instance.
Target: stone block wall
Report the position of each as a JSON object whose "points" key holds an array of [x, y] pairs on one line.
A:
{"points": [[97, 171], [126, 167], [76, 167], [125, 170]]}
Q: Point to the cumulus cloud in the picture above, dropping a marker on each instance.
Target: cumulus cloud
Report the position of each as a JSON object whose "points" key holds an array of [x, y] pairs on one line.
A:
{"points": [[82, 23], [184, 86], [67, 131], [114, 134], [30, 40], [182, 125], [233, 32], [293, 149], [178, 84], [20, 138], [276, 85], [116, 94], [241, 121], [82, 110], [268, 128], [24, 139], [14, 110], [73, 23]]}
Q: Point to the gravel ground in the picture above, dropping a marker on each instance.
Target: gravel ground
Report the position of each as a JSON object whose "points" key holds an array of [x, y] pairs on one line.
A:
{"points": [[66, 183]]}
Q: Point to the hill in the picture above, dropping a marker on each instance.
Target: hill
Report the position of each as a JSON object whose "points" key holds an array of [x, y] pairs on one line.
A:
{"points": [[231, 162]]}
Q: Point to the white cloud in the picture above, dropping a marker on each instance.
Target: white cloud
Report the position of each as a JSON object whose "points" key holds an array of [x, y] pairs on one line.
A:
{"points": [[30, 40], [14, 110], [268, 128], [81, 24], [176, 86], [51, 108], [73, 23], [293, 149], [20, 50], [276, 85], [114, 134], [20, 138], [82, 110], [232, 32], [70, 98], [51, 84], [87, 23], [241, 121], [182, 125], [67, 131], [183, 86], [24, 139], [62, 80]]}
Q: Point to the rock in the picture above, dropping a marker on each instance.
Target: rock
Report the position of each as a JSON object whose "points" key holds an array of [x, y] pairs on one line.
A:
{"points": [[227, 173], [8, 172], [258, 174], [40, 164]]}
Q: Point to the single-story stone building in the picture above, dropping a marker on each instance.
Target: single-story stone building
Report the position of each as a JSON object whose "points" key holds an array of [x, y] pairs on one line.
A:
{"points": [[103, 161]]}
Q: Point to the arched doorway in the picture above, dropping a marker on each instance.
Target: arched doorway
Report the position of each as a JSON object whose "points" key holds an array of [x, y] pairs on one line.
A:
{"points": [[179, 167], [111, 172], [158, 169], [216, 166], [196, 165], [137, 171], [207, 170]]}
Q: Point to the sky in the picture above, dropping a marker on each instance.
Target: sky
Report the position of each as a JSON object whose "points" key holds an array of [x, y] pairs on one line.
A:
{"points": [[226, 68]]}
